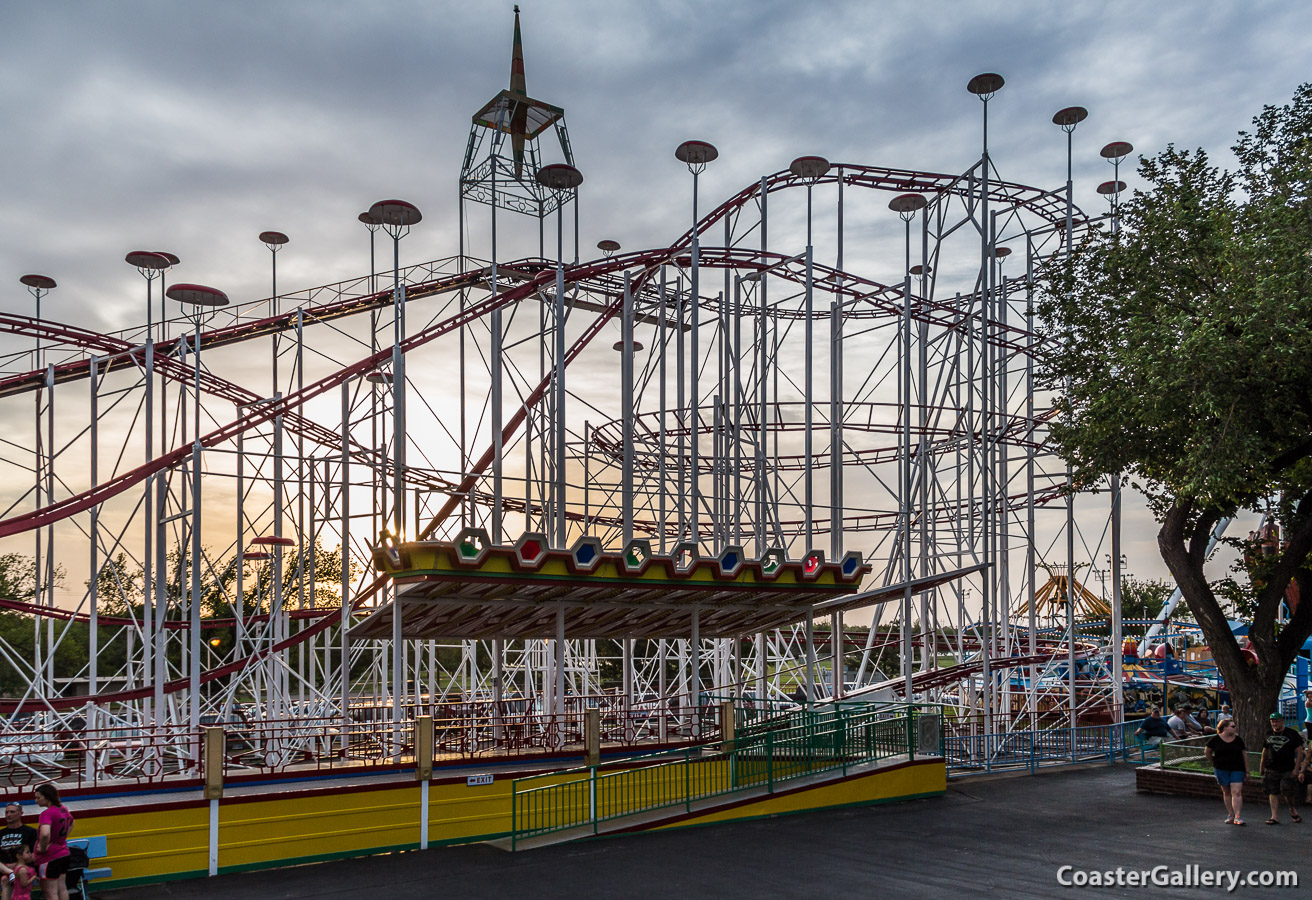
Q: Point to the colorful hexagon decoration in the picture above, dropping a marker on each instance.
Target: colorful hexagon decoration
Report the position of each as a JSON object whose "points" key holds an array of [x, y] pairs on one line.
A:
{"points": [[812, 563], [850, 565], [636, 556], [685, 556], [531, 549], [585, 555], [730, 561], [772, 562], [472, 545]]}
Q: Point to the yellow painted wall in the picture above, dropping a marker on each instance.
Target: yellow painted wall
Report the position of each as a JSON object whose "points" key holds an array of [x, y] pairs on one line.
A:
{"points": [[297, 827], [159, 844], [914, 780], [149, 843], [155, 845]]}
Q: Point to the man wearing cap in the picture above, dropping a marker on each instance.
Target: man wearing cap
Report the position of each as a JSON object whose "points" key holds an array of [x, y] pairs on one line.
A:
{"points": [[1153, 729], [1282, 756], [1182, 723], [14, 835]]}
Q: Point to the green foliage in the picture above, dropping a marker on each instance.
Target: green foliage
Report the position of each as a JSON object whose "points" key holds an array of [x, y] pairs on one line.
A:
{"points": [[1143, 598], [1181, 347], [17, 577], [120, 594], [1180, 363], [1182, 344]]}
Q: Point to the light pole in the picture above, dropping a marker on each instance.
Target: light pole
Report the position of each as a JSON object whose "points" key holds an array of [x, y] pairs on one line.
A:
{"points": [[1114, 153], [985, 86], [367, 217], [809, 169], [562, 180], [626, 346], [199, 300], [151, 265], [559, 178], [375, 489], [44, 581], [1067, 119], [274, 240], [696, 155], [396, 218], [906, 206]]}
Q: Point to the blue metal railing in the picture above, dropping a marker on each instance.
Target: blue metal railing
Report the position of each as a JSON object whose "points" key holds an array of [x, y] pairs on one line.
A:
{"points": [[968, 754]]}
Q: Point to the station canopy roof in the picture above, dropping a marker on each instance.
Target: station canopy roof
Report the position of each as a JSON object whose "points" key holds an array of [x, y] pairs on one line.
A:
{"points": [[469, 589]]}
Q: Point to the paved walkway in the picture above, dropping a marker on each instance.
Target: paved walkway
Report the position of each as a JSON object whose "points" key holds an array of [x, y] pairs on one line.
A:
{"points": [[1000, 836]]}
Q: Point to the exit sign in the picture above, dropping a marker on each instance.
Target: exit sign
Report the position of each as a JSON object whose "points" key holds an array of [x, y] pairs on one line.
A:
{"points": [[473, 780]]}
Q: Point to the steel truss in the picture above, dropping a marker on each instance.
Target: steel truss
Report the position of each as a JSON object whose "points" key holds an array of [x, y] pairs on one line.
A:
{"points": [[768, 391]]}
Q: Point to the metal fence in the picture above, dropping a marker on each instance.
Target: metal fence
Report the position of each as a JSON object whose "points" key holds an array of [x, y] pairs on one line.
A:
{"points": [[968, 754], [799, 743], [1187, 755]]}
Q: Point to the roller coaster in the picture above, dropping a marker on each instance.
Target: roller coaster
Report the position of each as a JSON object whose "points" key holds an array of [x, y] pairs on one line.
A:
{"points": [[209, 494]]}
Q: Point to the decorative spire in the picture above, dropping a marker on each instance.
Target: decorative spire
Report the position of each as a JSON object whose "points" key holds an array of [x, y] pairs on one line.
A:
{"points": [[518, 90], [517, 85]]}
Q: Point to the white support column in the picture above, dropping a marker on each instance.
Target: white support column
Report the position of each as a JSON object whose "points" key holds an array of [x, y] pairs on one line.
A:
{"points": [[558, 701]]}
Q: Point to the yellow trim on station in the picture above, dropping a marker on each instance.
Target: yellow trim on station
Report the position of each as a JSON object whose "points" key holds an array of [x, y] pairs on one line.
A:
{"points": [[917, 779], [172, 841]]}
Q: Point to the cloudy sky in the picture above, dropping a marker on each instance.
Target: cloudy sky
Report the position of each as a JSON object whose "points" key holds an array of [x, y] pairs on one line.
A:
{"points": [[192, 127]]}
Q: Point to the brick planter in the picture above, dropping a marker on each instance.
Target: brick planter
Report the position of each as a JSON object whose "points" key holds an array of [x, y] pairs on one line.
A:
{"points": [[1156, 780]]}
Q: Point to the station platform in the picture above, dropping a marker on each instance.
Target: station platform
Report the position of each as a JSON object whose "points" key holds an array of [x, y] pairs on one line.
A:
{"points": [[810, 758], [987, 835]]}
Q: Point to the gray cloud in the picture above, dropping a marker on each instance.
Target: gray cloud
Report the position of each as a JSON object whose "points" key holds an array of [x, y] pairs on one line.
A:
{"points": [[192, 127]]}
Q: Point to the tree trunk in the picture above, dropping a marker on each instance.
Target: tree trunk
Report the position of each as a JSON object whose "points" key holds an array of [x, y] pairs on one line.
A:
{"points": [[1253, 701], [1254, 689]]}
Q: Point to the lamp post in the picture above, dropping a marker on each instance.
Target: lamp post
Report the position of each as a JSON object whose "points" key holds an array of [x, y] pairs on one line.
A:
{"points": [[44, 580], [985, 86], [1114, 153], [274, 240], [151, 265], [373, 224], [907, 206], [1067, 120], [396, 217], [199, 300], [560, 179], [696, 155], [809, 169]]}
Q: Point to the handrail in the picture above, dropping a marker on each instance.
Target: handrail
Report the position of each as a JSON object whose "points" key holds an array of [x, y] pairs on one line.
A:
{"points": [[809, 741]]}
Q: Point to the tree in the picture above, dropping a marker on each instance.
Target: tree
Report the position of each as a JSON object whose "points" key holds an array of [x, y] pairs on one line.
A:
{"points": [[1143, 598], [1181, 348]]}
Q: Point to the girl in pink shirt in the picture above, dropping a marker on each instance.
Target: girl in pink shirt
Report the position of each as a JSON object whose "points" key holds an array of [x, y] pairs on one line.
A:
{"points": [[24, 876], [52, 842]]}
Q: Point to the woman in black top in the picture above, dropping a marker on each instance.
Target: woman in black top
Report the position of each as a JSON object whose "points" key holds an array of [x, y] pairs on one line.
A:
{"points": [[1225, 751]]}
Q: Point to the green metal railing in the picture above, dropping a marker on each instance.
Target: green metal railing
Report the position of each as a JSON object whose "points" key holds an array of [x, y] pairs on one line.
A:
{"points": [[1187, 755], [794, 745]]}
